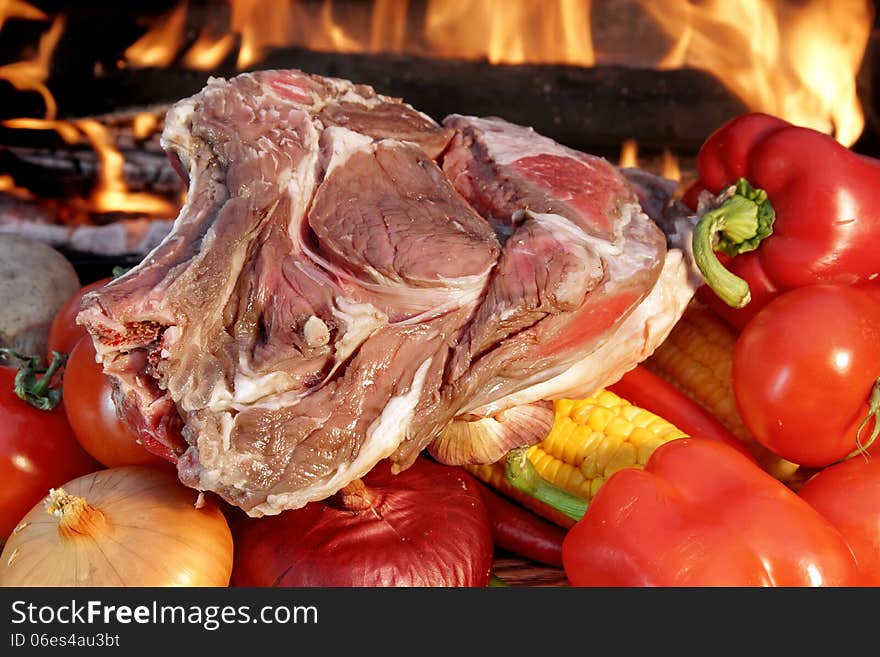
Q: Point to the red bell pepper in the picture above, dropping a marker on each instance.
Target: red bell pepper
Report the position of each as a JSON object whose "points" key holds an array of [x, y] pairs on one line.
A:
{"points": [[848, 495], [519, 531], [826, 203], [640, 386], [699, 514]]}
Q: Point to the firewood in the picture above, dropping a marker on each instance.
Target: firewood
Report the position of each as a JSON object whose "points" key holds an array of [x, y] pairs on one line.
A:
{"points": [[593, 108]]}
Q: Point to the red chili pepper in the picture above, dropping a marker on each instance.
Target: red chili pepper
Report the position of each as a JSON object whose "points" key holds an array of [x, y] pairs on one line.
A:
{"points": [[698, 514], [640, 386], [519, 531], [848, 495], [825, 199]]}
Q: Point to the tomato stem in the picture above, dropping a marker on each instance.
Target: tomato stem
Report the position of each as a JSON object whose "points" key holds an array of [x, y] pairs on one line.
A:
{"points": [[523, 476], [873, 413], [738, 224], [38, 392]]}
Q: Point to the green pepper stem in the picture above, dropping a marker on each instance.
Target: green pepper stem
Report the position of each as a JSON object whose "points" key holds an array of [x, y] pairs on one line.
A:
{"points": [[873, 412], [738, 224], [38, 392], [521, 474]]}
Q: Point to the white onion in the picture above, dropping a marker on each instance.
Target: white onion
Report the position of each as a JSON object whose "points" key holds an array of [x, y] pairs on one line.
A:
{"points": [[124, 526]]}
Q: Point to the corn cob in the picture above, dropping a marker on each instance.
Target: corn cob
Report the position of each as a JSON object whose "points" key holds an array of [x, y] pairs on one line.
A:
{"points": [[590, 440], [697, 358]]}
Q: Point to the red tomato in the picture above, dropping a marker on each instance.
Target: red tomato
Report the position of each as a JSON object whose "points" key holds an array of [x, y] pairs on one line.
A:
{"points": [[92, 414], [64, 332], [38, 451], [848, 495], [803, 371]]}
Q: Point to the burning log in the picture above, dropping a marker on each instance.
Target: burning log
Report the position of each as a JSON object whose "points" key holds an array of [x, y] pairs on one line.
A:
{"points": [[593, 109], [57, 160], [98, 189], [59, 172]]}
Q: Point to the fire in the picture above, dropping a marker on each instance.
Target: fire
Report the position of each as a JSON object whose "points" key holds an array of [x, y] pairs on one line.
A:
{"points": [[629, 154], [31, 74], [21, 10], [9, 186], [111, 193], [798, 61], [67, 131], [158, 47], [209, 51], [506, 32], [144, 124], [669, 167]]}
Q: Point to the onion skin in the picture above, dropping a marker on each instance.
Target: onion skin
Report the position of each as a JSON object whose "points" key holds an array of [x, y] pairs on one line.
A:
{"points": [[426, 526], [123, 526]]}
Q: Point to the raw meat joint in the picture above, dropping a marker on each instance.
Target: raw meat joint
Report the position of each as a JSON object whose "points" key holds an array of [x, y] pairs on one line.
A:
{"points": [[350, 281]]}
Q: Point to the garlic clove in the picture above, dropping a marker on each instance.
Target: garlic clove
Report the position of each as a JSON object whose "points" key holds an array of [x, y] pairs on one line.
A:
{"points": [[485, 440]]}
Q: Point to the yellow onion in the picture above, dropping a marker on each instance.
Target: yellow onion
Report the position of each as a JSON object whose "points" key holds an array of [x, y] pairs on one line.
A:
{"points": [[123, 526]]}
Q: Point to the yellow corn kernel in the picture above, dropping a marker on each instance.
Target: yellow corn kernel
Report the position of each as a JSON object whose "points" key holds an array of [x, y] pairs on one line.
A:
{"points": [[697, 358], [590, 440]]}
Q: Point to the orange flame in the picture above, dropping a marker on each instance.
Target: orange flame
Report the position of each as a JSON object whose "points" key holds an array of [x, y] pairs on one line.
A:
{"points": [[534, 31], [159, 46], [669, 167], [111, 193], [20, 10], [67, 131], [9, 186], [629, 154], [798, 61], [31, 74], [208, 51], [144, 124]]}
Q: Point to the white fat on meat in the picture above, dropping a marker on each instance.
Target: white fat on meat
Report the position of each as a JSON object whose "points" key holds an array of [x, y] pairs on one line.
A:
{"points": [[632, 342], [509, 146]]}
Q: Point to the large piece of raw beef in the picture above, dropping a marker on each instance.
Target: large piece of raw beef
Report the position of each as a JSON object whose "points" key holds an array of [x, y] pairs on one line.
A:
{"points": [[349, 281]]}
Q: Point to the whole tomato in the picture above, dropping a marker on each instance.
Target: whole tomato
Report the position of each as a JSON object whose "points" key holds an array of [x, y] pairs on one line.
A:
{"points": [[38, 451], [804, 368], [64, 332], [847, 494], [92, 414]]}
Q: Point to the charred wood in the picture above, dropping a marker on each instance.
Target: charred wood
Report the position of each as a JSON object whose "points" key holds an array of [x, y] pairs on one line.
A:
{"points": [[588, 108]]}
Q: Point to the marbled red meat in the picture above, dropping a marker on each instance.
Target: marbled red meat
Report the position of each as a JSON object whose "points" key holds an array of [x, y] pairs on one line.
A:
{"points": [[350, 281]]}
